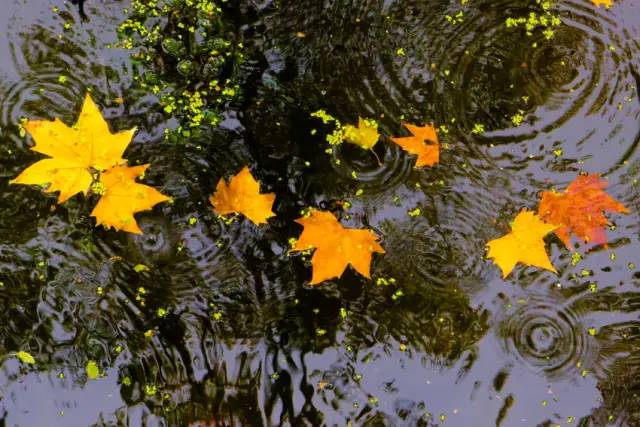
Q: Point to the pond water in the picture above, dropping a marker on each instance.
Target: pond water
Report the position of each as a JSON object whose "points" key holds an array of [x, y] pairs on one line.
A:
{"points": [[223, 328]]}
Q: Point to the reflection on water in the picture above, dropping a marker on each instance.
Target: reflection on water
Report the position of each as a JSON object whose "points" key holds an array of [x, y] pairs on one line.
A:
{"points": [[222, 328]]}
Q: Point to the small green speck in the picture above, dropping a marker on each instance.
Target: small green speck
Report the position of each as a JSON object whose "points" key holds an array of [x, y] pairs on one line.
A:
{"points": [[397, 294], [478, 129], [25, 357], [414, 212], [139, 268], [150, 389], [576, 257], [93, 371], [518, 118]]}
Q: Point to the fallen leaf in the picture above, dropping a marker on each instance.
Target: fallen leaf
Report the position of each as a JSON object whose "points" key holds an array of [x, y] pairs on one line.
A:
{"points": [[523, 244], [25, 357], [122, 196], [335, 247], [606, 3], [365, 135], [73, 151], [580, 210], [242, 195], [428, 153]]}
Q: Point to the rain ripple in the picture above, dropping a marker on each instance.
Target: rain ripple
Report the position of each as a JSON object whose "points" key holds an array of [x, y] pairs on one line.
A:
{"points": [[548, 338]]}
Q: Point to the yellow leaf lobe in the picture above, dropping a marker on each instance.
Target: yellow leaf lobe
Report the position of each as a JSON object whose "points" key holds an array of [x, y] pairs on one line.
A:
{"points": [[524, 244], [123, 196], [606, 3], [364, 135]]}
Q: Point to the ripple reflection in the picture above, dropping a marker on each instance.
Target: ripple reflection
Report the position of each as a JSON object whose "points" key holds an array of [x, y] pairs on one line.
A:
{"points": [[548, 338]]}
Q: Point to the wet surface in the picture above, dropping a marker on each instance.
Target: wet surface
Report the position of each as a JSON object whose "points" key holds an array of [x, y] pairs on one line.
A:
{"points": [[223, 327]]}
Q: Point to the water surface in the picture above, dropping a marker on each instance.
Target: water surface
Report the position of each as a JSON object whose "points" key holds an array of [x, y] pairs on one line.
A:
{"points": [[246, 341]]}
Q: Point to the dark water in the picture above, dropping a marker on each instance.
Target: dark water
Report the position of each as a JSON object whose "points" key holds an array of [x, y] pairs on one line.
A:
{"points": [[245, 341]]}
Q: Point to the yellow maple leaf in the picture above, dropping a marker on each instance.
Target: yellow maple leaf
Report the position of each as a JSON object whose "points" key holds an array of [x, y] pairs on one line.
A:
{"points": [[73, 151], [523, 244], [242, 195], [122, 196], [335, 247], [365, 135], [428, 153], [606, 3]]}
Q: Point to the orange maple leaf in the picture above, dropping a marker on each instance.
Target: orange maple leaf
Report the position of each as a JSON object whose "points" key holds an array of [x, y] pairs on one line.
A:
{"points": [[428, 154], [580, 210], [242, 195], [336, 247], [523, 244], [122, 196]]}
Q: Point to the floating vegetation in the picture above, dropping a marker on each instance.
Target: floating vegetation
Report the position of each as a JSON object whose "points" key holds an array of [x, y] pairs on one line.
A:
{"points": [[545, 20], [186, 54]]}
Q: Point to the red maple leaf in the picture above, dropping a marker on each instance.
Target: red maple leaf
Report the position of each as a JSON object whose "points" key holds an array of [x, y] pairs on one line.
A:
{"points": [[580, 210]]}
